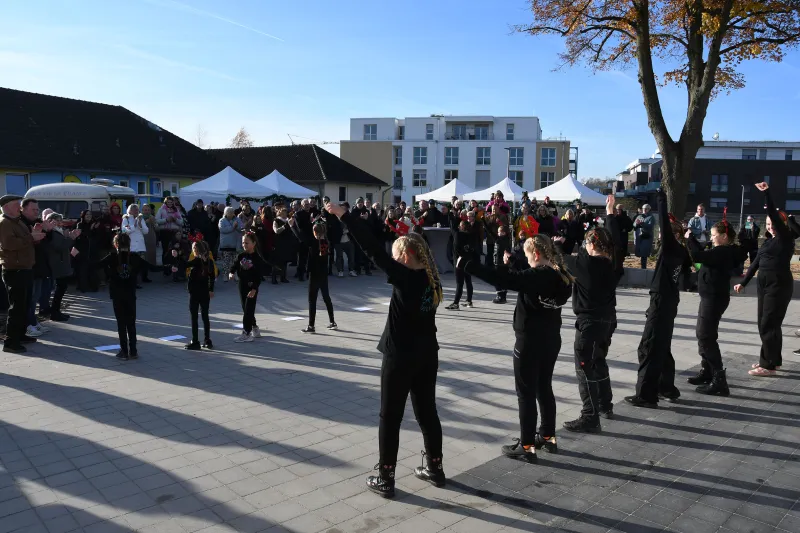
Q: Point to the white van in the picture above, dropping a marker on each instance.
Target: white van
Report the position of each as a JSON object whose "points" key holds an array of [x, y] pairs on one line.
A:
{"points": [[69, 199]]}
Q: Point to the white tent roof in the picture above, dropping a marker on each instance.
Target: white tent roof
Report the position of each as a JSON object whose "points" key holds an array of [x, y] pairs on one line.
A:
{"points": [[446, 193], [220, 185], [511, 192], [284, 186], [568, 189]]}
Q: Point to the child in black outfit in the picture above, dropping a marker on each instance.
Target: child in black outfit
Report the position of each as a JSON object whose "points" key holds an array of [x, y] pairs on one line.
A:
{"points": [[463, 248], [409, 348], [201, 272], [122, 268], [543, 289], [502, 245], [249, 265], [177, 257], [317, 270]]}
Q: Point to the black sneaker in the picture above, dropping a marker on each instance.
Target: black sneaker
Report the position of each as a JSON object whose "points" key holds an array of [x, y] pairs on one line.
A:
{"points": [[207, 344], [383, 483], [147, 280], [547, 444], [122, 355], [332, 326], [59, 317], [27, 339], [368, 272], [608, 414], [584, 424], [452, 307], [134, 355], [467, 304], [432, 472], [499, 300], [671, 396], [14, 348], [796, 352], [308, 329], [636, 401], [519, 452], [194, 345]]}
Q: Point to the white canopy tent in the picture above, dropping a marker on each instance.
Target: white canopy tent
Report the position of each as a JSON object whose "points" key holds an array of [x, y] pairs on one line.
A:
{"points": [[446, 193], [220, 185], [511, 192], [568, 189], [284, 186]]}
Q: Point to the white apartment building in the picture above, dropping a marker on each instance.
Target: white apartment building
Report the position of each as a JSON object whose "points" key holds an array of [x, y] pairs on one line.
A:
{"points": [[420, 154]]}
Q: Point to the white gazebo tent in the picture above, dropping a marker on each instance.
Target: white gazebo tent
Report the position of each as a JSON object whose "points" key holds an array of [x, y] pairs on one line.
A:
{"points": [[511, 192], [568, 189], [446, 193], [284, 186], [220, 185]]}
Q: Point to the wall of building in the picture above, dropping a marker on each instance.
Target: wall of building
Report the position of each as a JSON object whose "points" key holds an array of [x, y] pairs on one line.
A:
{"points": [[561, 167], [352, 192], [387, 128], [775, 151], [374, 157]]}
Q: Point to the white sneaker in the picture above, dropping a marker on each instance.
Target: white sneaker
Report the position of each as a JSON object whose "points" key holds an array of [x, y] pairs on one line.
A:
{"points": [[353, 274], [244, 337], [256, 333], [43, 329], [32, 332], [341, 275]]}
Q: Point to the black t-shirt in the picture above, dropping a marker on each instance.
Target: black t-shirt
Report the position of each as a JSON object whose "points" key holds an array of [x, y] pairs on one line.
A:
{"points": [[672, 259], [122, 269], [776, 253], [249, 268], [201, 275], [594, 292], [714, 277]]}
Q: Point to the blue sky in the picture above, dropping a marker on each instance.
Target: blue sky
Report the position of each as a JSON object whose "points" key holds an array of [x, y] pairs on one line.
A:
{"points": [[306, 67]]}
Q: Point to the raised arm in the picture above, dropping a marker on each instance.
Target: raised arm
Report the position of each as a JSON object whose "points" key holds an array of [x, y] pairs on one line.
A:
{"points": [[668, 240], [781, 230]]}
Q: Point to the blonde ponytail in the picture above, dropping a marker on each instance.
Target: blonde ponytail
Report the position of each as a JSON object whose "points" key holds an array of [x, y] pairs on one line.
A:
{"points": [[545, 247]]}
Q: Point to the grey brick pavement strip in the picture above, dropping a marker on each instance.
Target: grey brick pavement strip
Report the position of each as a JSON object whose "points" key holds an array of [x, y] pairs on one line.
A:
{"points": [[278, 434]]}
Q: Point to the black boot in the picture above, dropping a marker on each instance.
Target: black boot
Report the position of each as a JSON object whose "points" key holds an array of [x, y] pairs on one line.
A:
{"points": [[638, 401], [383, 483], [194, 345], [520, 452], [702, 377], [546, 443], [208, 344], [718, 385], [671, 396], [431, 471]]}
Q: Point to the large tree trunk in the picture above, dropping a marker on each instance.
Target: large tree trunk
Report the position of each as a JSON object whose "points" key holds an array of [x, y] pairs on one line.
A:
{"points": [[677, 174]]}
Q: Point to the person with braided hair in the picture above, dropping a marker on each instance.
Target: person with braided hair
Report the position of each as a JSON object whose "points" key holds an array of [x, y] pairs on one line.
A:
{"points": [[409, 348], [542, 289], [714, 287], [249, 266], [775, 286], [594, 302], [201, 272], [656, 363], [317, 269]]}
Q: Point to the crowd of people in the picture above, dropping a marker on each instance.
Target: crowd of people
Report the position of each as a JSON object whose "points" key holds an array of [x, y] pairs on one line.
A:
{"points": [[524, 252]]}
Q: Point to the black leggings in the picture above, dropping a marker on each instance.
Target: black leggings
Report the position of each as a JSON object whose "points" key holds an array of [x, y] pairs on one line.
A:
{"points": [[774, 294], [708, 316], [401, 374], [199, 302], [592, 340], [656, 363], [248, 308], [125, 313], [534, 361], [58, 297], [462, 278], [318, 282], [165, 236]]}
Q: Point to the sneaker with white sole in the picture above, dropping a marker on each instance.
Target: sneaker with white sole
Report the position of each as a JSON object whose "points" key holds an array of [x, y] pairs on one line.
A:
{"points": [[256, 334], [340, 274], [353, 274], [33, 332], [244, 337], [43, 329]]}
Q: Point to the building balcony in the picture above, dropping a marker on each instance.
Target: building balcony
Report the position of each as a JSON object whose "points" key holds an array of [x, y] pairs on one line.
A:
{"points": [[457, 136]]}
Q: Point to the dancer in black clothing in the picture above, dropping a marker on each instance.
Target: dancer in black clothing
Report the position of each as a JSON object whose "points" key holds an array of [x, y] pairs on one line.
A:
{"points": [[201, 272], [317, 270], [775, 286], [409, 348], [656, 363], [122, 268], [542, 290], [594, 303], [463, 248], [249, 265], [714, 279]]}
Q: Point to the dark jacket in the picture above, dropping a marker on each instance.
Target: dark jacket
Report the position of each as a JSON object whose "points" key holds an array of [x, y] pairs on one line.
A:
{"points": [[58, 255]]}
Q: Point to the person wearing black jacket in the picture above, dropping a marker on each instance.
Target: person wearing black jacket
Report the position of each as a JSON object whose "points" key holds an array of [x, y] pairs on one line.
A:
{"points": [[317, 272], [249, 265], [409, 348], [199, 220], [656, 377], [542, 290], [625, 225], [87, 245], [334, 233], [748, 240], [362, 261], [775, 286], [201, 272], [594, 302], [570, 232], [463, 248], [714, 280], [502, 245], [303, 222]]}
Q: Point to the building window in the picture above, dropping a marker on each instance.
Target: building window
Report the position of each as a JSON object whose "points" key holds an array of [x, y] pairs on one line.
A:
{"points": [[793, 184], [788, 156], [420, 178], [484, 156], [451, 155], [370, 132], [547, 179], [428, 132], [141, 188], [719, 183], [398, 155], [515, 176], [749, 154], [450, 175], [762, 153], [719, 202], [17, 184], [401, 132], [509, 132], [123, 183], [398, 179], [482, 179], [459, 132], [692, 187], [515, 156], [548, 157], [420, 155], [482, 133], [342, 194]]}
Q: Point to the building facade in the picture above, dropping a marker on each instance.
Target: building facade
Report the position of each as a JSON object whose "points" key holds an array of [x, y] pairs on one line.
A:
{"points": [[416, 155]]}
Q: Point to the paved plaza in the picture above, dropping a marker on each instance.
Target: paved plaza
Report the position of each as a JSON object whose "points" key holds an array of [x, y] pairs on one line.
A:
{"points": [[278, 435]]}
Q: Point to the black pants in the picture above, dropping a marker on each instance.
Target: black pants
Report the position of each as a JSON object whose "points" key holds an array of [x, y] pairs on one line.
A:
{"points": [[199, 301], [774, 295], [708, 316], [18, 288], [302, 260], [489, 258], [87, 280], [248, 308], [656, 363], [462, 278], [58, 297], [592, 340], [281, 265], [318, 281], [501, 267], [125, 313], [165, 237], [534, 361], [362, 261], [401, 375]]}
